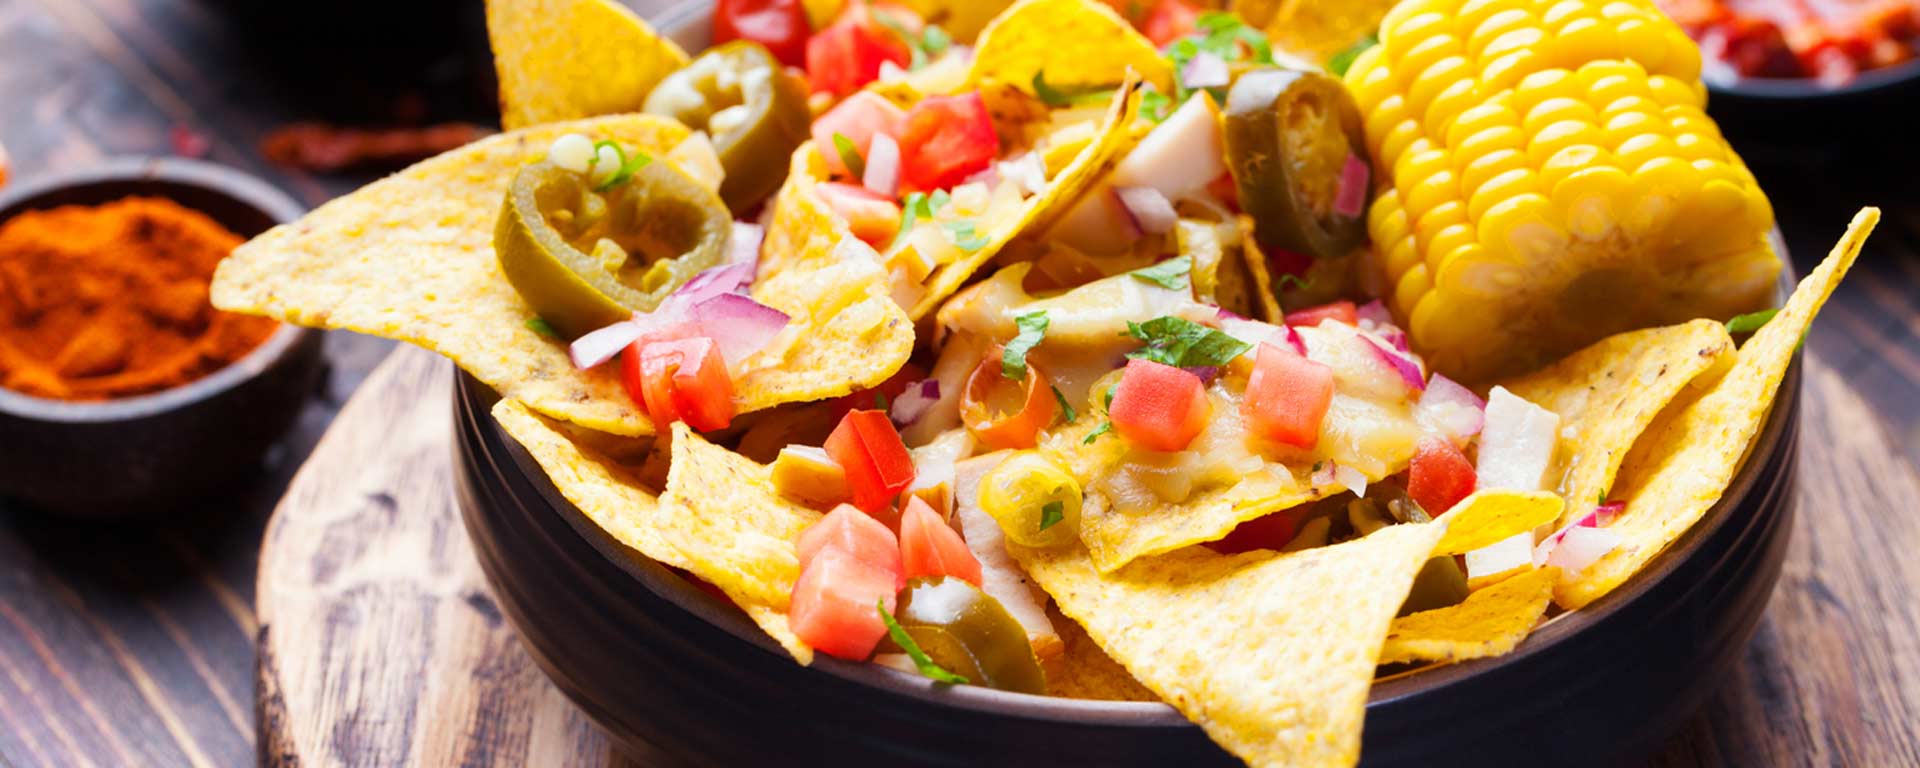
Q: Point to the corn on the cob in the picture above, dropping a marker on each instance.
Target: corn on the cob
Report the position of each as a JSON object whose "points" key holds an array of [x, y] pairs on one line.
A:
{"points": [[1553, 179]]}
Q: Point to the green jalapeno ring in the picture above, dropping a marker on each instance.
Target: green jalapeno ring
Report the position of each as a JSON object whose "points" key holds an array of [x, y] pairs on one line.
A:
{"points": [[1283, 128], [754, 146], [668, 228], [969, 633]]}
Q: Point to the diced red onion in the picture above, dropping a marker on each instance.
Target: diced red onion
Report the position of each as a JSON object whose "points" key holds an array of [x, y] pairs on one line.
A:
{"points": [[600, 346], [1205, 70], [1207, 373], [743, 245], [1408, 370], [914, 401], [883, 166], [1450, 408], [1351, 479], [1517, 442], [740, 325], [1227, 314], [1374, 312], [1256, 332], [1351, 196], [1149, 209], [1398, 338], [1026, 170], [1605, 514], [1299, 342], [711, 282], [1579, 546]]}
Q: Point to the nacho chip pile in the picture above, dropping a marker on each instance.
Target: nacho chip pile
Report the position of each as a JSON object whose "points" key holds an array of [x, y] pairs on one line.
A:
{"points": [[1257, 579]]}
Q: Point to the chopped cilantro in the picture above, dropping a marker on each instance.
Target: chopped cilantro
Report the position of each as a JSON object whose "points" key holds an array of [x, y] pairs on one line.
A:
{"points": [[1065, 408], [1342, 61], [1183, 343], [964, 235], [920, 659], [1105, 427], [1222, 34], [850, 155], [1154, 105], [1051, 513], [540, 326], [1750, 322], [628, 165], [1013, 359], [916, 207], [1171, 273], [1286, 281]]}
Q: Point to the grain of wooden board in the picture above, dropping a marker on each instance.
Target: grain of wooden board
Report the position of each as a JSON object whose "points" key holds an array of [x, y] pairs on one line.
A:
{"points": [[380, 644]]}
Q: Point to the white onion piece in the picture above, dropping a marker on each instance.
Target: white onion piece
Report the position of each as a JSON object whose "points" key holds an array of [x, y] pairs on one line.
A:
{"points": [[1026, 170], [1205, 70], [1149, 208], [1254, 332], [1351, 196], [914, 401], [1326, 474], [1409, 371], [1516, 443], [600, 346], [883, 166], [1000, 576], [743, 246], [1605, 514], [1373, 316], [740, 325], [1351, 479], [1450, 409], [1179, 155], [1580, 546], [986, 177], [1515, 551]]}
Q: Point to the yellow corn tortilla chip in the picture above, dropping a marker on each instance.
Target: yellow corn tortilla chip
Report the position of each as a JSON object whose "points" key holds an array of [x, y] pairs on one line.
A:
{"points": [[1687, 457], [1313, 30], [1608, 393], [1255, 261], [1494, 514], [1083, 671], [1076, 43], [410, 257], [1272, 654], [569, 59], [1491, 622], [1115, 537], [963, 19], [729, 537], [804, 230]]}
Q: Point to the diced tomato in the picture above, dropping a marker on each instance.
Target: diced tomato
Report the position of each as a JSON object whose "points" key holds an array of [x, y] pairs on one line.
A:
{"points": [[872, 217], [1159, 406], [1169, 20], [1006, 414], [1269, 531], [945, 140], [780, 25], [869, 399], [877, 463], [679, 380], [835, 606], [861, 117], [847, 54], [1287, 396], [856, 533], [930, 547], [1440, 476], [1343, 311]]}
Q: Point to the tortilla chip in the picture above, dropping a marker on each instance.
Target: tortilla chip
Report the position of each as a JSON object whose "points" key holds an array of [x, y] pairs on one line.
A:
{"points": [[1272, 654], [569, 59], [1608, 393], [1313, 30], [1083, 671], [804, 230], [410, 257], [1491, 622], [1115, 538], [1255, 261], [1493, 514], [1078, 44], [606, 487], [963, 19], [1688, 456], [735, 530]]}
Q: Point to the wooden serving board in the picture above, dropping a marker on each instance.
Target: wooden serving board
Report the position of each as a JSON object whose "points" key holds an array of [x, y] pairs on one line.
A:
{"points": [[380, 644]]}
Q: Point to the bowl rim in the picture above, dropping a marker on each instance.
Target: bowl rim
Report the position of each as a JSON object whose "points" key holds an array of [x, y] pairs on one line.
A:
{"points": [[231, 183], [1869, 82], [688, 18]]}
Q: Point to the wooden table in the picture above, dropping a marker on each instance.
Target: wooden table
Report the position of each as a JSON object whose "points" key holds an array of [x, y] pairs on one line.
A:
{"points": [[134, 644]]}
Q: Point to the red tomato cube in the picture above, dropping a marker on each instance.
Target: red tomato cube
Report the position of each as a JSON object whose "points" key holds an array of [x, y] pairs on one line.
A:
{"points": [[872, 217], [1287, 396], [878, 466], [856, 533], [1343, 311], [680, 380], [861, 117], [1440, 476], [1269, 531], [835, 606], [1169, 20], [1158, 406], [930, 547], [780, 25], [847, 54], [945, 140]]}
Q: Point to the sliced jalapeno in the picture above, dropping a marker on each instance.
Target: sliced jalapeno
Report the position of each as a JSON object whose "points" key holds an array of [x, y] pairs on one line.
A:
{"points": [[755, 111], [1288, 135], [968, 633]]}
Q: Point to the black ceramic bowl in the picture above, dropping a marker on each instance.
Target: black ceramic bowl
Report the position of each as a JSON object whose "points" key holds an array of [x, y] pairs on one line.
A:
{"points": [[681, 677], [153, 453]]}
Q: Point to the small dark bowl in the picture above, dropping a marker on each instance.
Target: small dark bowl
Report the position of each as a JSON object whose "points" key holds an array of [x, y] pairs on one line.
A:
{"points": [[680, 677], [150, 454]]}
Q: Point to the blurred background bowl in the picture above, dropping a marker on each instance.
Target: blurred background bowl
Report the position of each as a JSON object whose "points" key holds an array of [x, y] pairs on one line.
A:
{"points": [[151, 454]]}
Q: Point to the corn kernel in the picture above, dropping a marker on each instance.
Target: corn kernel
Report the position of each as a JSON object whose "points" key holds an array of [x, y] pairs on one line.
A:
{"points": [[1429, 51], [1670, 91], [1546, 84], [1408, 289], [1503, 72], [1501, 188], [1415, 168], [1638, 150], [1558, 136], [1435, 79], [1565, 11], [1435, 189], [1555, 110], [1386, 220], [1401, 257], [1488, 166], [1492, 140], [1589, 200], [1497, 25], [1449, 104], [1571, 159], [1447, 241], [1476, 119], [1397, 142]]}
